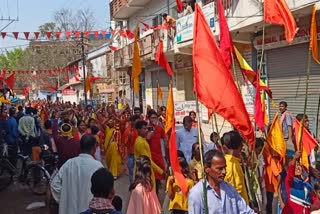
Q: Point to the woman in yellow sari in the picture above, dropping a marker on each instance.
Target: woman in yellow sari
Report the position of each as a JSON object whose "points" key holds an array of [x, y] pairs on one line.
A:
{"points": [[113, 158]]}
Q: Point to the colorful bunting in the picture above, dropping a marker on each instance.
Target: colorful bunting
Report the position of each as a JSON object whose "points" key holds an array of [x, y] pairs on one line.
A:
{"points": [[15, 34]]}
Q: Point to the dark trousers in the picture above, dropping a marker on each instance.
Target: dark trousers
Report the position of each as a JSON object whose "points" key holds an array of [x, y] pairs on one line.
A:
{"points": [[13, 153], [178, 212], [269, 202]]}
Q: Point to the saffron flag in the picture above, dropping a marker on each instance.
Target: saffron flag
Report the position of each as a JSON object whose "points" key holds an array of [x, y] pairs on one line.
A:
{"points": [[159, 92], [226, 44], [258, 112], [278, 12], [213, 83], [275, 137], [10, 81], [307, 140], [174, 162], [170, 111], [250, 73], [162, 60], [179, 6], [87, 85], [313, 45], [136, 62]]}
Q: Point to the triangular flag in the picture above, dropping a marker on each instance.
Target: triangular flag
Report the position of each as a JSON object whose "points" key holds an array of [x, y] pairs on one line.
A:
{"points": [[136, 62], [122, 33], [58, 34], [170, 111], [96, 34], [112, 32], [3, 34], [162, 60], [93, 79], [36, 34], [212, 75], [3, 75], [15, 34], [77, 34], [179, 6], [130, 34], [277, 12], [87, 34], [313, 45], [174, 162], [258, 112], [145, 25], [49, 35], [103, 33], [10, 81], [68, 34], [26, 35], [159, 92], [113, 48]]}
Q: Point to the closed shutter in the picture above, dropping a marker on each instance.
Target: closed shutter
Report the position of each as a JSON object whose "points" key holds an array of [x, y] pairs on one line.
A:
{"points": [[161, 76], [286, 69]]}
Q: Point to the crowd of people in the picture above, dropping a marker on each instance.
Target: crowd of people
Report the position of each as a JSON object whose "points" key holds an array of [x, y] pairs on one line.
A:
{"points": [[97, 145]]}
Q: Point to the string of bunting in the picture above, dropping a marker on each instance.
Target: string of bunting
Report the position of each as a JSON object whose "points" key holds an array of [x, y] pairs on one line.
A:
{"points": [[52, 71], [58, 35]]}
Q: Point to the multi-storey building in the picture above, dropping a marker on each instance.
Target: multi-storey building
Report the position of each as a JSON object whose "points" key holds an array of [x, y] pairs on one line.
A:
{"points": [[284, 66]]}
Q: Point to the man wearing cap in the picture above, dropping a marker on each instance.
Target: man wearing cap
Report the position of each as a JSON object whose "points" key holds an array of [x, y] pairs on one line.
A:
{"points": [[187, 9], [67, 146]]}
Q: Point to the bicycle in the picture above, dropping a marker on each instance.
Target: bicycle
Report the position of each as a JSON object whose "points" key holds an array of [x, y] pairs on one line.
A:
{"points": [[26, 171]]}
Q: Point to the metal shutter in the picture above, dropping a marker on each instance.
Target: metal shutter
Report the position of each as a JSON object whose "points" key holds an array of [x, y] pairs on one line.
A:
{"points": [[286, 69]]}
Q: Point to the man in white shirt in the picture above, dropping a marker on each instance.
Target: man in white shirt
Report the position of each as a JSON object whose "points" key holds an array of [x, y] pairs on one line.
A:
{"points": [[71, 186], [186, 137], [187, 9]]}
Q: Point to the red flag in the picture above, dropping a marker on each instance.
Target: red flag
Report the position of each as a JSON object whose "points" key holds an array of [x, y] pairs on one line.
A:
{"points": [[96, 34], [130, 34], [15, 34], [278, 12], [52, 88], [36, 34], [58, 34], [76, 77], [162, 60], [68, 34], [122, 33], [112, 32], [258, 112], [145, 25], [104, 33], [93, 79], [77, 34], [10, 81], [173, 153], [213, 83], [308, 141], [3, 75], [87, 34], [49, 35], [3, 34], [113, 48], [179, 6], [26, 34], [226, 44]]}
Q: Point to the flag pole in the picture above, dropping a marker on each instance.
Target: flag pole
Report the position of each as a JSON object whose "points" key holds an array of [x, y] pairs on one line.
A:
{"points": [[205, 199], [305, 100]]}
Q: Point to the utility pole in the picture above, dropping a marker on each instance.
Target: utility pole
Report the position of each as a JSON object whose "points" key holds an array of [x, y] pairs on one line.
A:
{"points": [[84, 68]]}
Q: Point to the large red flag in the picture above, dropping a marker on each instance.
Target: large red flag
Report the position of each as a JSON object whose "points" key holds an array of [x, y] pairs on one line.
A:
{"points": [[308, 141], [258, 112], [278, 12], [162, 60], [10, 81], [173, 153], [213, 84], [226, 44], [179, 6]]}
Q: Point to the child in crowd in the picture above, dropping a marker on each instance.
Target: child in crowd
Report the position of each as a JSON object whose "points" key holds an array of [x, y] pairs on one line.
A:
{"points": [[178, 201], [195, 163]]}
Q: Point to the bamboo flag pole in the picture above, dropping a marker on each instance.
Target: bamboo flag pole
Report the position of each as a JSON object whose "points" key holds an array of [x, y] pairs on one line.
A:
{"points": [[305, 100], [205, 198]]}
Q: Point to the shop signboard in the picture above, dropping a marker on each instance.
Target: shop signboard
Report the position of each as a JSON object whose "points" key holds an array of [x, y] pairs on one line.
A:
{"points": [[185, 23], [182, 109]]}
